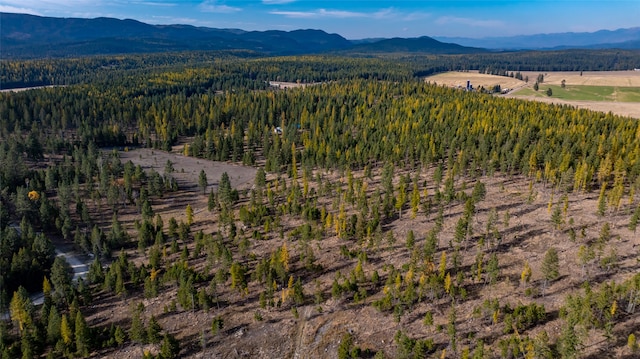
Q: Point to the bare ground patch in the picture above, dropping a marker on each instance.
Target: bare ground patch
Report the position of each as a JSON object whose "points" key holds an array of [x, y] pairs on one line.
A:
{"points": [[187, 169], [459, 79], [317, 330]]}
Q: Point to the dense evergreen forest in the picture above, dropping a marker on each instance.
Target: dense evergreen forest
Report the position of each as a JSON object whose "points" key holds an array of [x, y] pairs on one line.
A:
{"points": [[365, 146], [40, 72]]}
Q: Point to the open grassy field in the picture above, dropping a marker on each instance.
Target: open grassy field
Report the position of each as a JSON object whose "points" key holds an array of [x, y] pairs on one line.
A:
{"points": [[586, 93], [605, 91]]}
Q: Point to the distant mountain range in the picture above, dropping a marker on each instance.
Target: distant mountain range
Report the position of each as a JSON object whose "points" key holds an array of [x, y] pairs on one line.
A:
{"points": [[29, 36], [35, 36], [603, 39]]}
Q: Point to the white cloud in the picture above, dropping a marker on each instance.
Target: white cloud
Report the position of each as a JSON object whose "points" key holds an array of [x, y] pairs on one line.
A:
{"points": [[336, 14], [49, 7], [155, 3], [170, 20], [214, 7], [50, 4], [19, 10], [318, 14], [413, 16], [277, 2], [444, 20]]}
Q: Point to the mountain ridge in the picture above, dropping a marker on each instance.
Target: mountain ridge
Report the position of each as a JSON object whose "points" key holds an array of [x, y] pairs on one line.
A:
{"points": [[543, 41], [31, 36]]}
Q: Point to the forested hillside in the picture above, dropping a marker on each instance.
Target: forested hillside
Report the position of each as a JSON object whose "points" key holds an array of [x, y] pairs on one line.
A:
{"points": [[306, 69], [388, 217]]}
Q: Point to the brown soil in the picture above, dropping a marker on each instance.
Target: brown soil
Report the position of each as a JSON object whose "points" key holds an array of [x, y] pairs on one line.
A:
{"points": [[317, 330]]}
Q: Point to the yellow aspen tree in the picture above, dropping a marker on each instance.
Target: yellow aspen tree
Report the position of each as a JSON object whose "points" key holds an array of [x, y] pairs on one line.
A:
{"points": [[46, 287], [65, 330], [284, 256], [328, 221], [408, 278], [305, 184], [615, 194], [290, 284], [447, 283], [604, 171], [402, 196], [443, 264], [359, 272], [341, 222], [525, 275], [18, 308], [398, 282], [415, 200], [294, 166], [189, 213]]}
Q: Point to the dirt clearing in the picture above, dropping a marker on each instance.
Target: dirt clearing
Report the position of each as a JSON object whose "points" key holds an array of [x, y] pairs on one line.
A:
{"points": [[459, 79], [186, 170]]}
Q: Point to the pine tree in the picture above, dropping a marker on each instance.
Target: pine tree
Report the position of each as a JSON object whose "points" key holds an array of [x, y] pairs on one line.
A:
{"points": [[411, 239], [202, 181], [212, 201], [493, 269], [556, 218], [83, 338], [61, 275], [53, 325], [602, 200], [238, 280], [568, 342], [216, 325], [153, 330], [137, 332], [451, 329], [550, 265], [635, 218], [224, 190], [170, 347], [402, 196]]}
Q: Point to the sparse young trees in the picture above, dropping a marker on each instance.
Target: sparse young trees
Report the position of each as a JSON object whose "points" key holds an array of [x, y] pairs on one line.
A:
{"points": [[202, 181], [550, 266]]}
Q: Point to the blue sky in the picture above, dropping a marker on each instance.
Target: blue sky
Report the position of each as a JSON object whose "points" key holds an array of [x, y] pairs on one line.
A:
{"points": [[359, 19]]}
